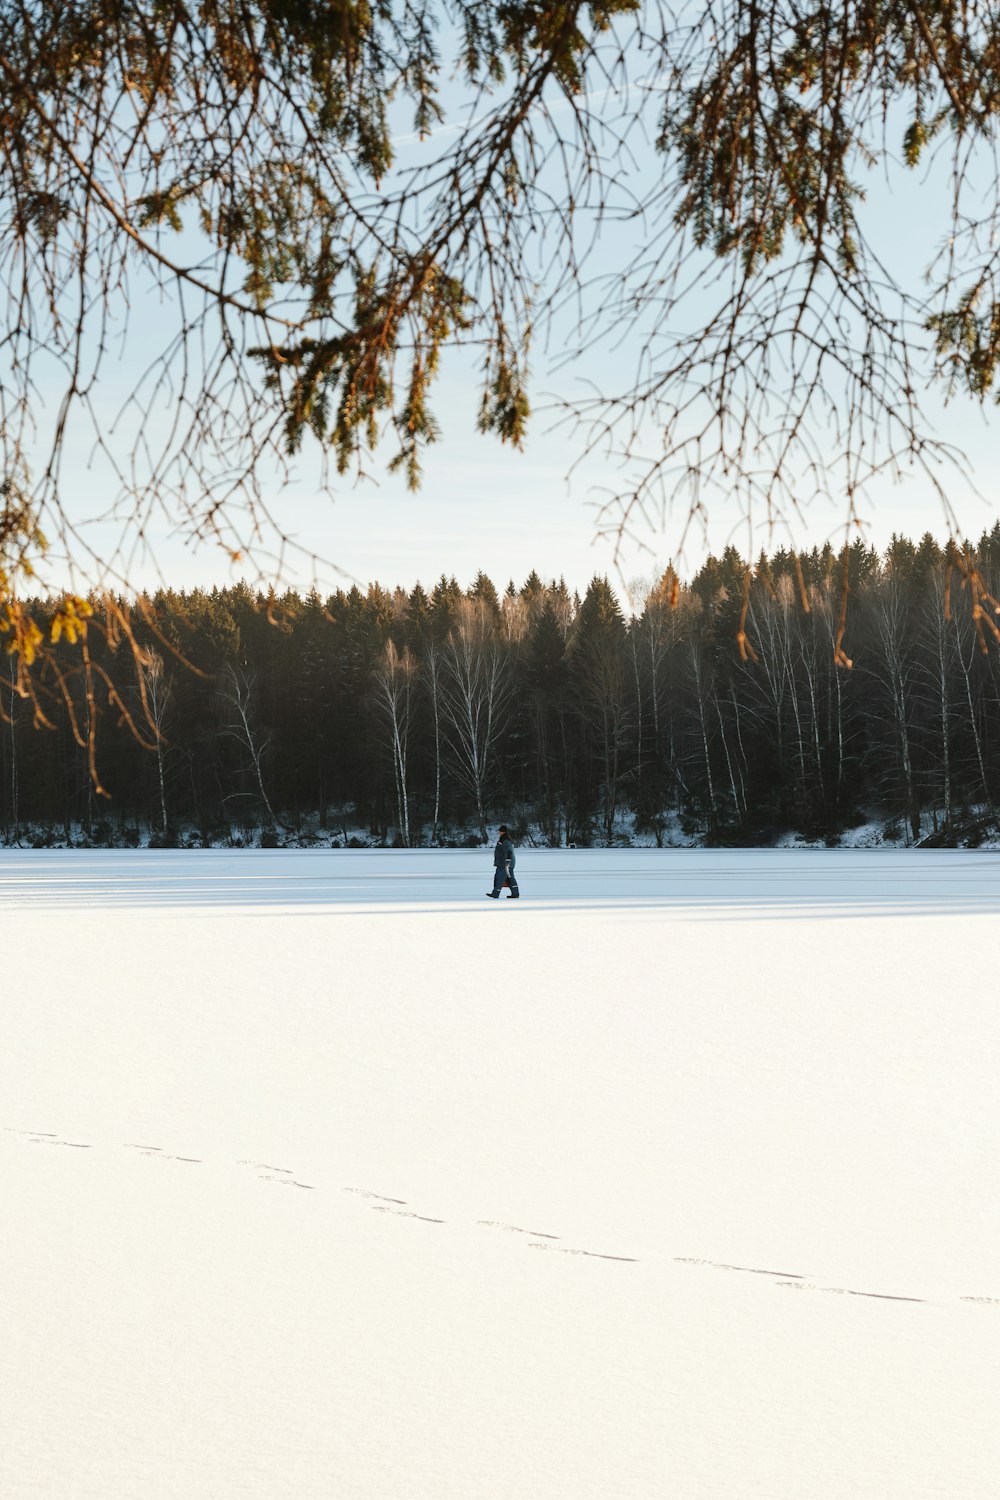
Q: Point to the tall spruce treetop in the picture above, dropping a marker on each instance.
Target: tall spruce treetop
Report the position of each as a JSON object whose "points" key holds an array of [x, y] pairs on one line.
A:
{"points": [[600, 614], [484, 589], [445, 598], [533, 591], [419, 612]]}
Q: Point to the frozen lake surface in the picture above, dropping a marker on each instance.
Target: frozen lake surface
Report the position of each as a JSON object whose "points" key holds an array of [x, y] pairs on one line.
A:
{"points": [[321, 1175]]}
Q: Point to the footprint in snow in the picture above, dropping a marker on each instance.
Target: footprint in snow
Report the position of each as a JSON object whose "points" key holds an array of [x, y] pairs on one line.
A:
{"points": [[404, 1213], [847, 1291], [755, 1270], [885, 1296], [158, 1153], [540, 1234], [593, 1254], [721, 1265], [51, 1140], [367, 1193]]}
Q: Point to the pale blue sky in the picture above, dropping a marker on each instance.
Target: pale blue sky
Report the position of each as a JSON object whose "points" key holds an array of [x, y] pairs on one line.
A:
{"points": [[483, 506]]}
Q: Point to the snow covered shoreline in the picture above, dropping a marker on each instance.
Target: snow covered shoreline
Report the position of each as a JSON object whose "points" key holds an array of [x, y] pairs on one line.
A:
{"points": [[320, 1175], [975, 827]]}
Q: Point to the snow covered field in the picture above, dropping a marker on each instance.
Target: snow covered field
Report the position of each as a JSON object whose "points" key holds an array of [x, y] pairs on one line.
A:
{"points": [[323, 1178]]}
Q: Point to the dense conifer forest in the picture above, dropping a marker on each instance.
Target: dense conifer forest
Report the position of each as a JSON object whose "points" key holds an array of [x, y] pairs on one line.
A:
{"points": [[421, 717]]}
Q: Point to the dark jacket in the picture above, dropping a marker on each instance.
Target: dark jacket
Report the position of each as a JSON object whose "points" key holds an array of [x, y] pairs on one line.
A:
{"points": [[503, 854]]}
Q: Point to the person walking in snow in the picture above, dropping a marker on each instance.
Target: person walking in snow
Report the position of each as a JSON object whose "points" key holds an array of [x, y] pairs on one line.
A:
{"points": [[503, 866]]}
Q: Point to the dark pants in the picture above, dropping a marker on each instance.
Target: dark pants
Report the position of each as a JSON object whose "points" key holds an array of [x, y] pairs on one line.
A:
{"points": [[501, 874]]}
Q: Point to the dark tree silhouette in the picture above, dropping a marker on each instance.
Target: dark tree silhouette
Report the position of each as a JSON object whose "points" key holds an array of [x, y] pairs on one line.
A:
{"points": [[420, 718]]}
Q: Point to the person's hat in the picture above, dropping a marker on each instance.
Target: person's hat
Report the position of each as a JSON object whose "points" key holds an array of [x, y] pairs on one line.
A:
{"points": [[503, 827]]}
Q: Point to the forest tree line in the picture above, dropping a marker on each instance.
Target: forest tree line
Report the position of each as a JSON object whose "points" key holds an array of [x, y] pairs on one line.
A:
{"points": [[422, 716]]}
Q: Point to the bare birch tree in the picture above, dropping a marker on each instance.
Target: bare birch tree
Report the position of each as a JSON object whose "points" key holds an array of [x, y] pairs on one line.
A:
{"points": [[477, 685], [236, 694], [432, 669], [939, 639], [393, 681], [893, 666], [158, 693]]}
